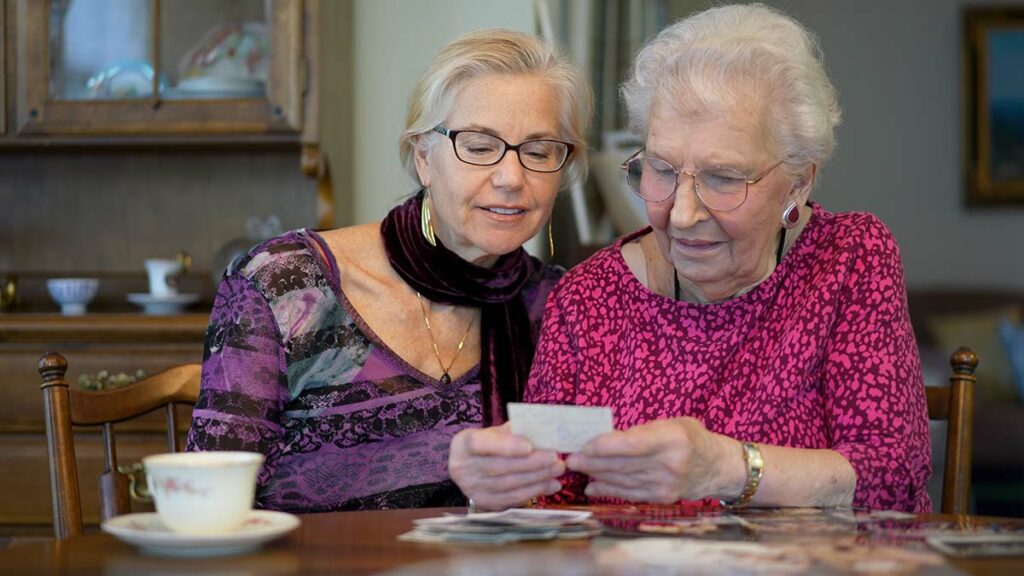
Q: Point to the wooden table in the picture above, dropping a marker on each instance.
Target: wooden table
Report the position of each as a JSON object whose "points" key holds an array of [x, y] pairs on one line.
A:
{"points": [[351, 543]]}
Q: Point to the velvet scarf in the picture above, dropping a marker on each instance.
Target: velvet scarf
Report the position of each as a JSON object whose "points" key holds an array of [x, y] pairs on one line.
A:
{"points": [[506, 346]]}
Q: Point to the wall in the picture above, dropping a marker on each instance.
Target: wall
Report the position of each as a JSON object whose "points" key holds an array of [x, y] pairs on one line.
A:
{"points": [[394, 41]]}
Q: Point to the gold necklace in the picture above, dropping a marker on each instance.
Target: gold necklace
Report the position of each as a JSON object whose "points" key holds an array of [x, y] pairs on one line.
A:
{"points": [[445, 377]]}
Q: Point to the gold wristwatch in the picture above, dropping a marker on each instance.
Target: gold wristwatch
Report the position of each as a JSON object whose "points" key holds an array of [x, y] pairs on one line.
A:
{"points": [[755, 470]]}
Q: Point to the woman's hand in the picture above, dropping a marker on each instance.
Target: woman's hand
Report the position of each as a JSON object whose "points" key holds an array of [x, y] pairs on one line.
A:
{"points": [[662, 462], [500, 470]]}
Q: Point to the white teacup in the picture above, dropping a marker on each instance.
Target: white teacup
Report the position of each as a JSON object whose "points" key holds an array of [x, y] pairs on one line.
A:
{"points": [[163, 273], [203, 493]]}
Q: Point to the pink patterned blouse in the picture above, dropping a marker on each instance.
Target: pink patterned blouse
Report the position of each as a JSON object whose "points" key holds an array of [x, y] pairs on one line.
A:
{"points": [[819, 355]]}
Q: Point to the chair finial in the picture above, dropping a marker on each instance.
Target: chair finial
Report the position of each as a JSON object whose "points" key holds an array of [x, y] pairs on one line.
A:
{"points": [[52, 367], [964, 361]]}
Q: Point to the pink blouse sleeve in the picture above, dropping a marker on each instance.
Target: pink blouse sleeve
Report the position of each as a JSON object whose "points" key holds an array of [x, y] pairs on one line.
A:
{"points": [[553, 377], [874, 392]]}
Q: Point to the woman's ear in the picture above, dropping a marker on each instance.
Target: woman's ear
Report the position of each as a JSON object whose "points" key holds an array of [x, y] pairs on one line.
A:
{"points": [[421, 155], [803, 184]]}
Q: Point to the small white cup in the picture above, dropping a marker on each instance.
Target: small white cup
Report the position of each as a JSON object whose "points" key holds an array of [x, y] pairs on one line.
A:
{"points": [[203, 493], [162, 274]]}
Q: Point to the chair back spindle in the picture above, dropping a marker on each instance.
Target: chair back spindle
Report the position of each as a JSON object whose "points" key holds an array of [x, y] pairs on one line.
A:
{"points": [[65, 407]]}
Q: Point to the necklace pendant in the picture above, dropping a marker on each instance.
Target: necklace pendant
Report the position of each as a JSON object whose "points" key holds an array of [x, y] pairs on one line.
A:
{"points": [[446, 379]]}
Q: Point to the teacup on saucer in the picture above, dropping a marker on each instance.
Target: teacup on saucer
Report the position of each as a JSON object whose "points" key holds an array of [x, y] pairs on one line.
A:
{"points": [[203, 493]]}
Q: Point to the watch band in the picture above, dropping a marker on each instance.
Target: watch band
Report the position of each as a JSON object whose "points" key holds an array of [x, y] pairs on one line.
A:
{"points": [[755, 470]]}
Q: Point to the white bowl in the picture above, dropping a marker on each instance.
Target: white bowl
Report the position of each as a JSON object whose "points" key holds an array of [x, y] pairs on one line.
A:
{"points": [[72, 293]]}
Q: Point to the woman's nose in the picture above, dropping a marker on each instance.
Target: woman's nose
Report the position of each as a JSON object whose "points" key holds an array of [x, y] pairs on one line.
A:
{"points": [[508, 173], [687, 208]]}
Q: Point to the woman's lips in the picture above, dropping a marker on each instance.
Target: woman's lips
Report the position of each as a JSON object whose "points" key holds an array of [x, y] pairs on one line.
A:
{"points": [[695, 246], [505, 213]]}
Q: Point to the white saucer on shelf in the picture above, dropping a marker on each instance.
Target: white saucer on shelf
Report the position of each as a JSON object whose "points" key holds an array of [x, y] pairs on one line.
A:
{"points": [[149, 533], [163, 304]]}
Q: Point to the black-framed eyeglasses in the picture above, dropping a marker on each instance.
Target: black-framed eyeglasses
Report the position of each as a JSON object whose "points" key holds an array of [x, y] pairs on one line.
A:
{"points": [[480, 149], [721, 189]]}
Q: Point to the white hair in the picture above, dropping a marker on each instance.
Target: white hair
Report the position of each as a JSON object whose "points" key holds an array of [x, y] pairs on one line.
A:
{"points": [[497, 51], [741, 57]]}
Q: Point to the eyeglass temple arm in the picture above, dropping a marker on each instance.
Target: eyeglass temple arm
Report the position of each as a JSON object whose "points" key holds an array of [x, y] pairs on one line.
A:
{"points": [[633, 156]]}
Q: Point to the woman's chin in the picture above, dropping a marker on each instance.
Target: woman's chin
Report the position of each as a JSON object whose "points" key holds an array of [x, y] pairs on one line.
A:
{"points": [[486, 252], [698, 272], [501, 243]]}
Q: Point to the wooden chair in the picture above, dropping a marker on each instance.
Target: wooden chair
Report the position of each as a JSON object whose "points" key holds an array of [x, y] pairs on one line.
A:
{"points": [[955, 404], [65, 407]]}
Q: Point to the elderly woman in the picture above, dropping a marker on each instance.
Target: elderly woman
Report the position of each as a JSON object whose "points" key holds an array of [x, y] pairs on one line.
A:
{"points": [[351, 357], [754, 347]]}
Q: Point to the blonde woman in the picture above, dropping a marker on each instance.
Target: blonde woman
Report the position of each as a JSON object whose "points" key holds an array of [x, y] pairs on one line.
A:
{"points": [[351, 357]]}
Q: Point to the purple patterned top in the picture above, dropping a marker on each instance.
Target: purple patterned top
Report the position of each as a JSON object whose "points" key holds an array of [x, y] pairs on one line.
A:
{"points": [[291, 370], [819, 355]]}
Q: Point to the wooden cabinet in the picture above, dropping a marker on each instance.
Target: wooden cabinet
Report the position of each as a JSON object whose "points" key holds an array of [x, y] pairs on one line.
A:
{"points": [[160, 72], [115, 342]]}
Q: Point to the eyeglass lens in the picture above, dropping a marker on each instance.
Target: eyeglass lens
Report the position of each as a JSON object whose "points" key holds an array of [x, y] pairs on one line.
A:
{"points": [[656, 180], [484, 150]]}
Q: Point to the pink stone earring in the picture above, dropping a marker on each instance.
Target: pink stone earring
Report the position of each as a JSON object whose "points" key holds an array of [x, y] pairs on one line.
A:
{"points": [[791, 215]]}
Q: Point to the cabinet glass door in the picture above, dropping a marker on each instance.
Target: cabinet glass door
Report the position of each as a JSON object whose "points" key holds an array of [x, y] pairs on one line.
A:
{"points": [[100, 49], [177, 68], [214, 48]]}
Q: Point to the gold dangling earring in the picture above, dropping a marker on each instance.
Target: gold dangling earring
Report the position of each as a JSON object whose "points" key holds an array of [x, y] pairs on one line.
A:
{"points": [[551, 239], [425, 225]]}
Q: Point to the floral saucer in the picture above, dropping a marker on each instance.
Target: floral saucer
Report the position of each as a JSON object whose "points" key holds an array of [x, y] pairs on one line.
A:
{"points": [[149, 533]]}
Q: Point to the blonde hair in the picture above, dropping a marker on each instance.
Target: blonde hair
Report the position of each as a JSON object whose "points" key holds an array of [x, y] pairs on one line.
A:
{"points": [[497, 51], [735, 57]]}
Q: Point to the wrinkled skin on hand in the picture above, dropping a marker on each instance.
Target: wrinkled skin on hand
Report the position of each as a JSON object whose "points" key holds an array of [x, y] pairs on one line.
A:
{"points": [[662, 461], [500, 470]]}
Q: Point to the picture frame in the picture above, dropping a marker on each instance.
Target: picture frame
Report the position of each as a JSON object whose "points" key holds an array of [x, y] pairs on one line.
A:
{"points": [[993, 81]]}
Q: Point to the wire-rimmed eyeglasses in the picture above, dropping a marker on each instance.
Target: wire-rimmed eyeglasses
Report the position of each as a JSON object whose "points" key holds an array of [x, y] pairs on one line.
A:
{"points": [[480, 149], [721, 189]]}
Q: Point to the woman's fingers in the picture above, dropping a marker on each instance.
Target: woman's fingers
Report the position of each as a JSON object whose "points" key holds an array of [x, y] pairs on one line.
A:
{"points": [[496, 466], [496, 441], [642, 440], [516, 481], [500, 501], [498, 469]]}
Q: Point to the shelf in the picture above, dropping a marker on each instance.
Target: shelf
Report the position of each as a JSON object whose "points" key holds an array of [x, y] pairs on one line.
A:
{"points": [[135, 328]]}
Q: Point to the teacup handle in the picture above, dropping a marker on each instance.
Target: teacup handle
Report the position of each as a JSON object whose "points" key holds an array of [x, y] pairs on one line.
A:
{"points": [[137, 489]]}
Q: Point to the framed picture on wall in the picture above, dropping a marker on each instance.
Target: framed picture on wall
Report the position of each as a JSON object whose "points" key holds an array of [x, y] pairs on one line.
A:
{"points": [[993, 67]]}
